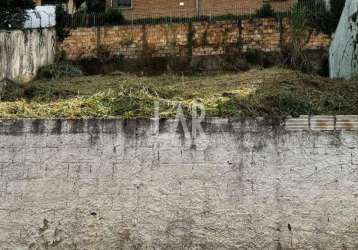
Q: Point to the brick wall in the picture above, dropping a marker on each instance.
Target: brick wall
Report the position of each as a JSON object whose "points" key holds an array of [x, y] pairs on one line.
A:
{"points": [[162, 40], [192, 7]]}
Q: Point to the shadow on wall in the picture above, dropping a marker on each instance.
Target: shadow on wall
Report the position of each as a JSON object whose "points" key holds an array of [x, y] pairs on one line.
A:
{"points": [[232, 61]]}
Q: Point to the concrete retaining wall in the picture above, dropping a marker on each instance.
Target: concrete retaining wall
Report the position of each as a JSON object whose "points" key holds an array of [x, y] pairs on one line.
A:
{"points": [[23, 52], [198, 39], [110, 184]]}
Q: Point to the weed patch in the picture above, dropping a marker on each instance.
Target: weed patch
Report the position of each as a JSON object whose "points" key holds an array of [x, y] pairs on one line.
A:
{"points": [[274, 93]]}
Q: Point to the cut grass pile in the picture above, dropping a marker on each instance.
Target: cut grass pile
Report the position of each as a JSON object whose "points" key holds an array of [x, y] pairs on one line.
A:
{"points": [[275, 93]]}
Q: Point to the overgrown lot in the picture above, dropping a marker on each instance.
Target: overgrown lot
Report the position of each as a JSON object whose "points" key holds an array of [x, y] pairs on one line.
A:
{"points": [[269, 92]]}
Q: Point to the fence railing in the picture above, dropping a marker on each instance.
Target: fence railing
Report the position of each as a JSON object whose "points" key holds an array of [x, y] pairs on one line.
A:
{"points": [[84, 20], [161, 16]]}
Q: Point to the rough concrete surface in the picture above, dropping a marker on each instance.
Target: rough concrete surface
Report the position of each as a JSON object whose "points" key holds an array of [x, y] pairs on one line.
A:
{"points": [[24, 52], [343, 51], [110, 184]]}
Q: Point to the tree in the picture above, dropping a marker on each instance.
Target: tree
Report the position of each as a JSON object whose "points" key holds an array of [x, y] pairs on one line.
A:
{"points": [[265, 11], [95, 5], [308, 17], [13, 13], [22, 4], [319, 17], [337, 7]]}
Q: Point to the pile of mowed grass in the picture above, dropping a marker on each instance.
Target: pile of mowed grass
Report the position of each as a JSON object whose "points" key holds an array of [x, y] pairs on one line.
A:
{"points": [[274, 93]]}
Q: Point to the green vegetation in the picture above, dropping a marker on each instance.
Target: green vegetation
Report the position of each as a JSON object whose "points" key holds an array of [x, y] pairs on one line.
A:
{"points": [[59, 70], [270, 93], [265, 11], [12, 13], [113, 16], [317, 16], [60, 22], [337, 7], [95, 5]]}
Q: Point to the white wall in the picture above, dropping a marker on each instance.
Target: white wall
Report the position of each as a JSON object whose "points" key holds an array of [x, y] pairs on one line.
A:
{"points": [[23, 52], [343, 54], [109, 184]]}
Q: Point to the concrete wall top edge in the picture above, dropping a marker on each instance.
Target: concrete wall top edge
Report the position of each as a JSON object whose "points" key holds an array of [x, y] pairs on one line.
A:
{"points": [[27, 30], [113, 126], [93, 125]]}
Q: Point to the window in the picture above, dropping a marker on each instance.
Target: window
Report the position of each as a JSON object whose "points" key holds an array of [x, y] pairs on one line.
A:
{"points": [[123, 3]]}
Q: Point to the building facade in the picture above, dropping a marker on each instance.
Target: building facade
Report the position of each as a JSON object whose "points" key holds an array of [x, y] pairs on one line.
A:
{"points": [[182, 8], [152, 8]]}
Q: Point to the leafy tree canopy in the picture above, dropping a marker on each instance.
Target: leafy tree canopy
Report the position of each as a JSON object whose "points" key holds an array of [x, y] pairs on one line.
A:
{"points": [[17, 4], [13, 14], [337, 7], [318, 16]]}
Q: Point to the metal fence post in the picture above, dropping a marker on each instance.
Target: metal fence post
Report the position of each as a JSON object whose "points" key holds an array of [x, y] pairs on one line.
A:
{"points": [[237, 12]]}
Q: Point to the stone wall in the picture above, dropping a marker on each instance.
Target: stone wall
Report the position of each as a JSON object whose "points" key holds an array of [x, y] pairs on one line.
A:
{"points": [[239, 184], [23, 52], [178, 39]]}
